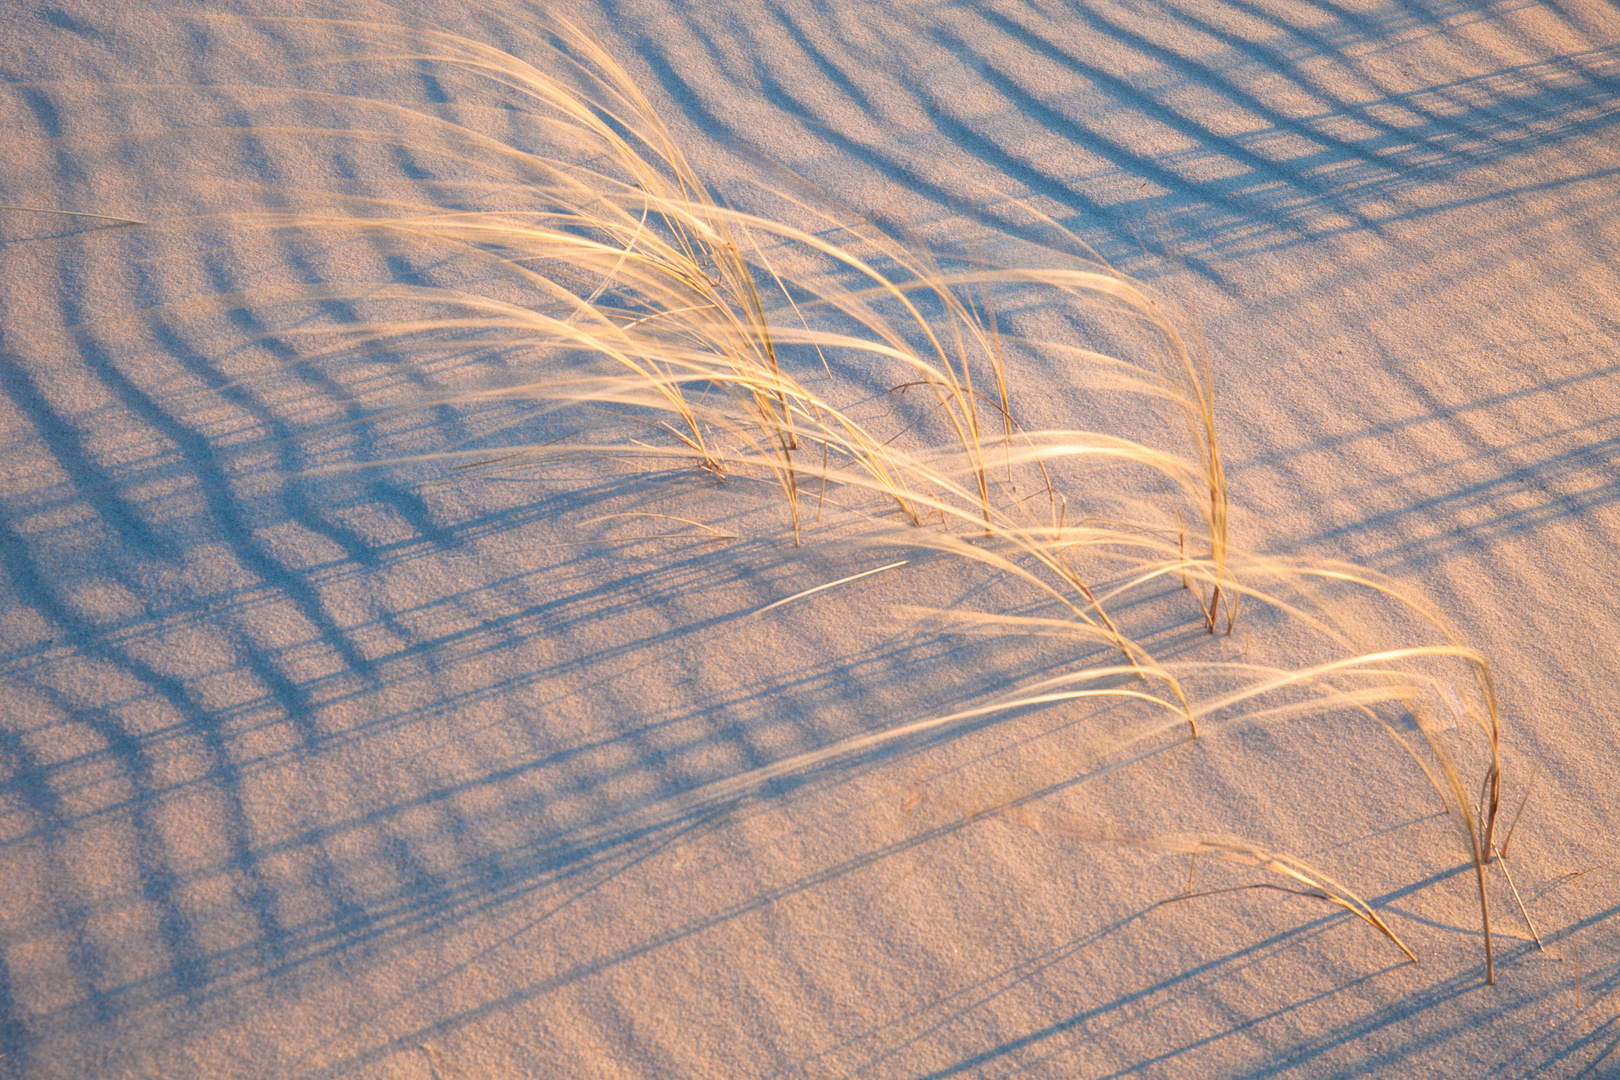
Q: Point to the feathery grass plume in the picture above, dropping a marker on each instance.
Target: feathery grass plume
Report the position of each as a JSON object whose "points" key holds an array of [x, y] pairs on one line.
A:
{"points": [[621, 291]]}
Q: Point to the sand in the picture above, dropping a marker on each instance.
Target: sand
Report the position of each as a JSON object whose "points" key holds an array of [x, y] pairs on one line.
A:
{"points": [[310, 774]]}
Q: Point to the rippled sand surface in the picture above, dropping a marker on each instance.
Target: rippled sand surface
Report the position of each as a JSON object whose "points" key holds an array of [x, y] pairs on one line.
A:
{"points": [[328, 774]]}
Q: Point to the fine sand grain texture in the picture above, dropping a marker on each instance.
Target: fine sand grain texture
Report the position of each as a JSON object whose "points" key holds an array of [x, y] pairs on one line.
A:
{"points": [[499, 581]]}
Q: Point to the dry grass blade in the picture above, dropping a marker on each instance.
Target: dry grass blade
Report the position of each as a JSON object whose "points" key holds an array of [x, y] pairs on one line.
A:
{"points": [[1245, 853], [830, 585], [75, 213]]}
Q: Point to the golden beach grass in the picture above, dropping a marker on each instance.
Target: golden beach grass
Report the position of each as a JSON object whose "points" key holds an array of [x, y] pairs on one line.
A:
{"points": [[634, 297]]}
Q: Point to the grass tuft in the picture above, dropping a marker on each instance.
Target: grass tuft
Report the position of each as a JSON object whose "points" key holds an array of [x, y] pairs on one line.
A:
{"points": [[659, 322]]}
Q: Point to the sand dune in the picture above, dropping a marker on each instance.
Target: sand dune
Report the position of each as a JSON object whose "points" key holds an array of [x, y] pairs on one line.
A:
{"points": [[313, 772]]}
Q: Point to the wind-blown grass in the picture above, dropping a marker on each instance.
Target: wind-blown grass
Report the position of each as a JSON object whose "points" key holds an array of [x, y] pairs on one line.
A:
{"points": [[633, 297]]}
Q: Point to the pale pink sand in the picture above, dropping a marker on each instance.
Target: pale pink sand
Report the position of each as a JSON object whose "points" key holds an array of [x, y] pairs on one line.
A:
{"points": [[310, 777]]}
